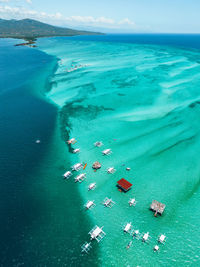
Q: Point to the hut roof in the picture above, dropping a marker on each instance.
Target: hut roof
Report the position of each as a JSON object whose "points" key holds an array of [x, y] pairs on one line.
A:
{"points": [[157, 206], [96, 165], [124, 184]]}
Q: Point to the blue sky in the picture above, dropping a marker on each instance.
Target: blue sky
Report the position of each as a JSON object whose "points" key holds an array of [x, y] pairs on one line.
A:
{"points": [[167, 16]]}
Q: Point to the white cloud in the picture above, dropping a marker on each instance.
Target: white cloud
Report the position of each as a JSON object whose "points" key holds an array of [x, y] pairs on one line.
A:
{"points": [[4, 1], [29, 1], [12, 12]]}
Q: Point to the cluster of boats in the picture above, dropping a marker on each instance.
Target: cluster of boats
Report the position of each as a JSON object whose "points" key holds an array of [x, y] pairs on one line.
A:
{"points": [[77, 67], [145, 237], [97, 233]]}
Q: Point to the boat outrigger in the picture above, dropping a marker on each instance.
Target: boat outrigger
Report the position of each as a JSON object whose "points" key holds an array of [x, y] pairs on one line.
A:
{"points": [[111, 170], [108, 202], [86, 247], [97, 233], [106, 152], [91, 186], [132, 202], [67, 175], [80, 178], [89, 205]]}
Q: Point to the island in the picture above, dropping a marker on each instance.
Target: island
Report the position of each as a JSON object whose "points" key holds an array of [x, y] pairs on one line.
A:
{"points": [[29, 30]]}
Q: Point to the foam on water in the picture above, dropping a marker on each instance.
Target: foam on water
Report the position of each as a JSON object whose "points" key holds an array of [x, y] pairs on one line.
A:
{"points": [[142, 101]]}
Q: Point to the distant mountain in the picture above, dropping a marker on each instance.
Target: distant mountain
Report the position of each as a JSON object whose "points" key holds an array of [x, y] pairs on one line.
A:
{"points": [[30, 29]]}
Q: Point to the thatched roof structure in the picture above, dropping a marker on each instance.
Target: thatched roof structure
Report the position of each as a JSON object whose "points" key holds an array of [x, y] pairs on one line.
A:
{"points": [[96, 165], [158, 207]]}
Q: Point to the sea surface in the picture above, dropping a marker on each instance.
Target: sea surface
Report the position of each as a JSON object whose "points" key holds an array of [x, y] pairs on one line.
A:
{"points": [[140, 96]]}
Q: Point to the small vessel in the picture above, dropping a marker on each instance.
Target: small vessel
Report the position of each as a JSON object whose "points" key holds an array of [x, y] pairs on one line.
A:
{"points": [[37, 141], [132, 202], [85, 166], [98, 144], [77, 166], [97, 233], [91, 186], [71, 141], [145, 237], [106, 151], [156, 248], [108, 202], [86, 247], [77, 150], [128, 169], [162, 238], [129, 244], [111, 170], [96, 165], [67, 174], [127, 227], [90, 204], [136, 234], [80, 178]]}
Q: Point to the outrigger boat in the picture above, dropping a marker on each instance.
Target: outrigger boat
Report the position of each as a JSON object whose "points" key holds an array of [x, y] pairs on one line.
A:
{"points": [[106, 151], [145, 237], [162, 239], [67, 175], [127, 228], [97, 233], [86, 247], [91, 186], [136, 234], [156, 248], [77, 150], [90, 204], [98, 144], [129, 245], [132, 202], [80, 178], [108, 202], [71, 141], [111, 170], [77, 166]]}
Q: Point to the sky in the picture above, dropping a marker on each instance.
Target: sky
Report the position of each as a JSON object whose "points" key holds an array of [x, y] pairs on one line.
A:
{"points": [[122, 16]]}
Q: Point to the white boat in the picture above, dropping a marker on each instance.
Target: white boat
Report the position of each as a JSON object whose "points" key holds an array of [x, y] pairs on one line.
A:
{"points": [[77, 166], [145, 237], [111, 170], [108, 202], [132, 202], [67, 174], [77, 150], [106, 151], [71, 141], [136, 234], [91, 186], [128, 169], [90, 204], [80, 178], [156, 248], [162, 238], [86, 247], [98, 144], [97, 233], [127, 228]]}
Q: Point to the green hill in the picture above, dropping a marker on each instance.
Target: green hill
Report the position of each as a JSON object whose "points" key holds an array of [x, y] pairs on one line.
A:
{"points": [[31, 29]]}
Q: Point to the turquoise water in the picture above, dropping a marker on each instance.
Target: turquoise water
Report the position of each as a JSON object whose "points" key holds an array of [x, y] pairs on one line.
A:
{"points": [[140, 97], [142, 101]]}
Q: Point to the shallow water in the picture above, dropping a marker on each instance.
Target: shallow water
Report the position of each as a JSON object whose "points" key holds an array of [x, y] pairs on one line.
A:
{"points": [[142, 101]]}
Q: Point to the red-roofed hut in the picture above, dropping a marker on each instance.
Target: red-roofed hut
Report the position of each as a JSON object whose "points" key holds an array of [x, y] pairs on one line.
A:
{"points": [[124, 185]]}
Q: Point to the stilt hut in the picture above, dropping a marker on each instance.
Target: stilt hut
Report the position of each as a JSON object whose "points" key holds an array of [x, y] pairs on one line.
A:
{"points": [[157, 207]]}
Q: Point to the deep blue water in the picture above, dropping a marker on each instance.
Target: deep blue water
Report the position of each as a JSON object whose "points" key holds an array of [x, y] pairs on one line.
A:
{"points": [[184, 40]]}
